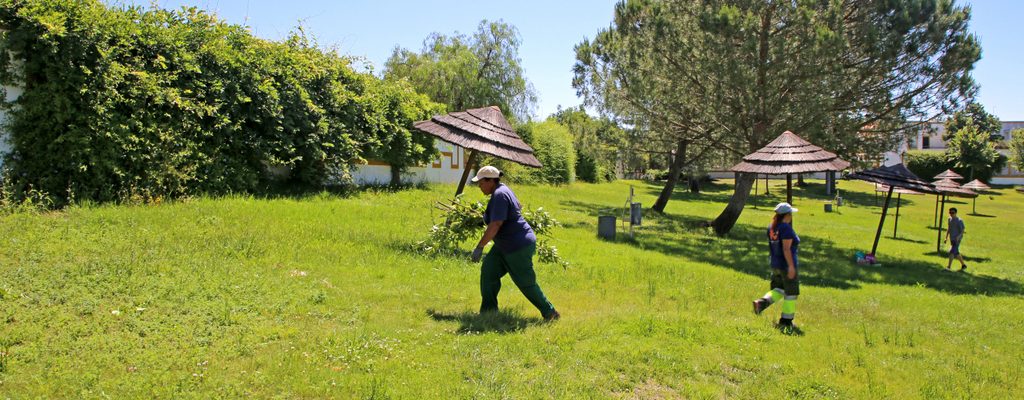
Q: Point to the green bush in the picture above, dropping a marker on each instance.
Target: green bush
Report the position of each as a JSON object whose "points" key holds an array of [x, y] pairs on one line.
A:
{"points": [[588, 170], [552, 143], [128, 102]]}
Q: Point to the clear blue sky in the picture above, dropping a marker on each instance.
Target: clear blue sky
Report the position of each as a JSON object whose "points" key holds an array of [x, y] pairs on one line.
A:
{"points": [[550, 29]]}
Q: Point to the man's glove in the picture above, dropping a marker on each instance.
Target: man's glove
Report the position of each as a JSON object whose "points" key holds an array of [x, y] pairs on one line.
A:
{"points": [[477, 253]]}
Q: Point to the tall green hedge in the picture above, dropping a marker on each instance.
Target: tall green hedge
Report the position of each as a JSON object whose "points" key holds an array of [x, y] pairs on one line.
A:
{"points": [[927, 164], [130, 101]]}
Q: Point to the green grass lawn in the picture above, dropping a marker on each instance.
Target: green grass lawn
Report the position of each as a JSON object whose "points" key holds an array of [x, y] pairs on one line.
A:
{"points": [[323, 297]]}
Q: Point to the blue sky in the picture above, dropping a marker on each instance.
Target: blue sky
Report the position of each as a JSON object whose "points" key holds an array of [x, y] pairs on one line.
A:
{"points": [[550, 29]]}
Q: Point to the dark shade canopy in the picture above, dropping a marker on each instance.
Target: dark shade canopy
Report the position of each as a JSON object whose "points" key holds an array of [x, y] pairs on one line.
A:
{"points": [[897, 176], [951, 188], [885, 188], [790, 154], [949, 174], [482, 129], [976, 185]]}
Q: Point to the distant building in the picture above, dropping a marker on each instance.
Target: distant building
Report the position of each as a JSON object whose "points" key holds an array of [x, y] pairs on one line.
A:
{"points": [[928, 137]]}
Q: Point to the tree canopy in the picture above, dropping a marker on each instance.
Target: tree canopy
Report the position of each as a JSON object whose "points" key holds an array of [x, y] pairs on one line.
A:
{"points": [[469, 71], [733, 74], [970, 148], [974, 114]]}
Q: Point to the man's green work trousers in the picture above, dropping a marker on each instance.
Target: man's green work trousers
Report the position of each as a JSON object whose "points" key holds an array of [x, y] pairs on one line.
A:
{"points": [[518, 264]]}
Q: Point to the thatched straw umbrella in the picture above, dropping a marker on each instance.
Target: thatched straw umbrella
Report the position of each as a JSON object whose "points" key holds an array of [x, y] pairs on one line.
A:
{"points": [[977, 186], [483, 130], [948, 187], [947, 174], [790, 154], [895, 176]]}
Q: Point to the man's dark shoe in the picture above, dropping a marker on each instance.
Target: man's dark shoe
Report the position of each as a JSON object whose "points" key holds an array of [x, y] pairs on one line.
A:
{"points": [[554, 316], [963, 267]]}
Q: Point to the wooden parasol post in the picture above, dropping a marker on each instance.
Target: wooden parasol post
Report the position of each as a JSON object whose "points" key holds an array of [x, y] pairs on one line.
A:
{"points": [[935, 219], [470, 163], [938, 240], [881, 221], [789, 189], [896, 223]]}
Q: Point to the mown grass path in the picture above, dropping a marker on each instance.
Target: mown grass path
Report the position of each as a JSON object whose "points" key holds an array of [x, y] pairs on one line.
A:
{"points": [[322, 297]]}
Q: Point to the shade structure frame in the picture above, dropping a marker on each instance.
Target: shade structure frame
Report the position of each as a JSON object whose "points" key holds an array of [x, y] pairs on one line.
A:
{"points": [[894, 176]]}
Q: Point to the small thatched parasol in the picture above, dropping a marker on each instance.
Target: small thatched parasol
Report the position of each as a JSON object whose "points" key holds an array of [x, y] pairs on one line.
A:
{"points": [[892, 176], [790, 154], [948, 187], [977, 186], [482, 130], [948, 174]]}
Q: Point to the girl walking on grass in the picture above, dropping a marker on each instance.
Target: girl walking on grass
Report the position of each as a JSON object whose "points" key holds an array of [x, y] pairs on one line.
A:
{"points": [[782, 250]]}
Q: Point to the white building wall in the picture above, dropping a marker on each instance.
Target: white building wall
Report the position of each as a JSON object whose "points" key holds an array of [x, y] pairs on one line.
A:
{"points": [[447, 168]]}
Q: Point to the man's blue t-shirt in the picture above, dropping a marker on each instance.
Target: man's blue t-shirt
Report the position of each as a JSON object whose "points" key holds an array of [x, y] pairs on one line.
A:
{"points": [[783, 231], [515, 233]]}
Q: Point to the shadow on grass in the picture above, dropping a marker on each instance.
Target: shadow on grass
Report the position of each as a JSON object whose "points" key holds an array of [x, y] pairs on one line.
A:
{"points": [[945, 255], [823, 263], [498, 322], [903, 239], [981, 215]]}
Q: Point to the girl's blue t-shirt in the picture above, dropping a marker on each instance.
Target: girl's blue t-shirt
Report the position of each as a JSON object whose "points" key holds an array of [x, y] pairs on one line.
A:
{"points": [[784, 231]]}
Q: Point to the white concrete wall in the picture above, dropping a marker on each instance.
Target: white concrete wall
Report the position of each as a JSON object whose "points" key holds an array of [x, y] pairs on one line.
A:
{"points": [[447, 168]]}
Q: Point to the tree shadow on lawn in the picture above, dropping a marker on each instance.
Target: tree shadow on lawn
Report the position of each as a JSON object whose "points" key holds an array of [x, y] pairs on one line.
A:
{"points": [[945, 256], [502, 322], [823, 263]]}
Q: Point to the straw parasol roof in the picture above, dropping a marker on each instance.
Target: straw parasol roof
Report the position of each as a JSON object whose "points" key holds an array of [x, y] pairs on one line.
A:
{"points": [[790, 154], [976, 185], [897, 176], [950, 187], [885, 188], [482, 129], [949, 174]]}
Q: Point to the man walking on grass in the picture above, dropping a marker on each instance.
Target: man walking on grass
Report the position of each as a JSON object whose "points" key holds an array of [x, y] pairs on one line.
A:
{"points": [[956, 235]]}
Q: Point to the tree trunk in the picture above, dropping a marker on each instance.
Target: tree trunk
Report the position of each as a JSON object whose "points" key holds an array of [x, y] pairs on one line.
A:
{"points": [[674, 170], [396, 176], [800, 180], [728, 217], [695, 184]]}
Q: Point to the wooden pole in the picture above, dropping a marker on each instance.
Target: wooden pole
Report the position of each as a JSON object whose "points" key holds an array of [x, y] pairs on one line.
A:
{"points": [[881, 221], [789, 189], [896, 224], [938, 241], [766, 190], [465, 174], [756, 183], [935, 218], [974, 208]]}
